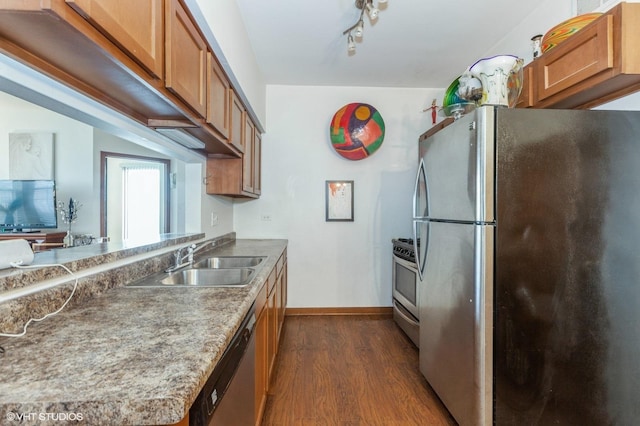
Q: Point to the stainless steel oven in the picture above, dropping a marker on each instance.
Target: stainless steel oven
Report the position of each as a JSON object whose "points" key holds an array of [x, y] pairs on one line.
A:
{"points": [[406, 286]]}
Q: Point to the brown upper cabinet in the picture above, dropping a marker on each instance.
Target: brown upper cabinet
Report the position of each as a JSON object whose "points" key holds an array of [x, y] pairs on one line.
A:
{"points": [[241, 177], [238, 177], [237, 126], [257, 162], [186, 58], [598, 64], [145, 59], [248, 158], [218, 98], [135, 26]]}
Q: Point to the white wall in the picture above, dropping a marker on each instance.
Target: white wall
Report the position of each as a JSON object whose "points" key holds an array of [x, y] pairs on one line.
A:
{"points": [[517, 39], [336, 264], [221, 208]]}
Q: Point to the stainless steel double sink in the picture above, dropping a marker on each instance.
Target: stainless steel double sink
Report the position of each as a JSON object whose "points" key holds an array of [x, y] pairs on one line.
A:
{"points": [[218, 271]]}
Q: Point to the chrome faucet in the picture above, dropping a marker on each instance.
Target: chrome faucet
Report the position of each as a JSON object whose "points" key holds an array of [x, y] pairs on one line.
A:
{"points": [[196, 248], [180, 257]]}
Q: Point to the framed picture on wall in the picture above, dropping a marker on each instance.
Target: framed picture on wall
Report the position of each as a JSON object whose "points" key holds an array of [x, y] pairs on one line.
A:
{"points": [[31, 156], [339, 201]]}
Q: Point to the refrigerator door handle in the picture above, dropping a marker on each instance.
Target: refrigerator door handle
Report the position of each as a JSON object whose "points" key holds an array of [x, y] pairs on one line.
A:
{"points": [[420, 178], [420, 242], [415, 246]]}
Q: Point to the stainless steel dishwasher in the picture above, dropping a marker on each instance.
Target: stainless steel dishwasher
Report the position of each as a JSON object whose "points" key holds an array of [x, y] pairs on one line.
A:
{"points": [[228, 396]]}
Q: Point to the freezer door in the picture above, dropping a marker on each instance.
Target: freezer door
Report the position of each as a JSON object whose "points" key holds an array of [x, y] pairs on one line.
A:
{"points": [[459, 170], [456, 319]]}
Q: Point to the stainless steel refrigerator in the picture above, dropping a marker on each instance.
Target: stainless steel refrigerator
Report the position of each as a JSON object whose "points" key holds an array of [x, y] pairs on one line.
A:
{"points": [[527, 226]]}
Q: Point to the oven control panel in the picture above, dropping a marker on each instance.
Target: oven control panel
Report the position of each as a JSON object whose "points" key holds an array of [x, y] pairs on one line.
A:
{"points": [[403, 248]]}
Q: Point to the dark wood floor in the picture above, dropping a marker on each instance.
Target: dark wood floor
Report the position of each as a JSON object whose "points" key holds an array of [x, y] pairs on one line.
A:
{"points": [[349, 370]]}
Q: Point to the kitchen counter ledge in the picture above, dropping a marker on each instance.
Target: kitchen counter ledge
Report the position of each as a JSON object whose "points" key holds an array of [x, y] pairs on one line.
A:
{"points": [[129, 356]]}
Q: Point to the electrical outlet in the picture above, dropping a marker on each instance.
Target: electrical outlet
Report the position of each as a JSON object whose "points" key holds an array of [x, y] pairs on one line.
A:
{"points": [[214, 218], [266, 218]]}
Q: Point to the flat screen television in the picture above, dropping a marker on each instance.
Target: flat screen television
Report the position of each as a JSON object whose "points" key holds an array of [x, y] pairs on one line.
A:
{"points": [[27, 205]]}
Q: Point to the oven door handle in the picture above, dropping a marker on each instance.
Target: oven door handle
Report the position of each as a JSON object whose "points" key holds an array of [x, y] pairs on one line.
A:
{"points": [[400, 310]]}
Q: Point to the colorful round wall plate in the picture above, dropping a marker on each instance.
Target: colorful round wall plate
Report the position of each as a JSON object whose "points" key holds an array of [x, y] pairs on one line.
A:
{"points": [[566, 29], [357, 131]]}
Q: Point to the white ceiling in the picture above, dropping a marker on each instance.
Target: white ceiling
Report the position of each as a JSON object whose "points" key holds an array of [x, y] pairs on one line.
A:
{"points": [[414, 43]]}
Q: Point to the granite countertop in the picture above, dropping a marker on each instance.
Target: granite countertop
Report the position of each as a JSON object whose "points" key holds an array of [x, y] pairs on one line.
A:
{"points": [[128, 356]]}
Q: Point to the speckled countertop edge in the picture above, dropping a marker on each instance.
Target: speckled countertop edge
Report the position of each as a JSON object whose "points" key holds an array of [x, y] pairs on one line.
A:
{"points": [[131, 355], [83, 257]]}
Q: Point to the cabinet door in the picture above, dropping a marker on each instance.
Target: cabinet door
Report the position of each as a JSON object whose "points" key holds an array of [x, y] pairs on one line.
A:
{"points": [[236, 138], [584, 55], [272, 318], [186, 57], [257, 162], [219, 92], [135, 26], [247, 158]]}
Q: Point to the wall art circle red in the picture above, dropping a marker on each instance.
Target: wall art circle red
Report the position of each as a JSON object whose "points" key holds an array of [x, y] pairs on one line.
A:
{"points": [[357, 131]]}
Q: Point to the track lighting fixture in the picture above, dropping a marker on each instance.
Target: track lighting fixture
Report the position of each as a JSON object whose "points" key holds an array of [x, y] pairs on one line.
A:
{"points": [[358, 28]]}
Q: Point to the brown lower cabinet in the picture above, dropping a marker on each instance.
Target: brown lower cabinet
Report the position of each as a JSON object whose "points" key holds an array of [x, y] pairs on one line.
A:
{"points": [[262, 372], [270, 307]]}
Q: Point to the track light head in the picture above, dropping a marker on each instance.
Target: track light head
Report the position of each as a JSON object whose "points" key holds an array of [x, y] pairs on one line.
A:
{"points": [[358, 27], [351, 44], [372, 11]]}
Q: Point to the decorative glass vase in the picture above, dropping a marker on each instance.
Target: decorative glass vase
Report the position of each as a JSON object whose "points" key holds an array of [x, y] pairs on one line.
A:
{"points": [[69, 214], [68, 239], [501, 78]]}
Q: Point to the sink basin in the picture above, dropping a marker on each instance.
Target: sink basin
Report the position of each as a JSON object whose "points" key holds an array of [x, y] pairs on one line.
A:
{"points": [[236, 277], [229, 262]]}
